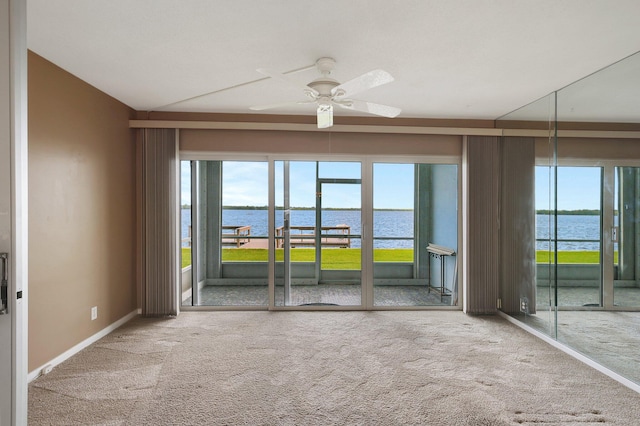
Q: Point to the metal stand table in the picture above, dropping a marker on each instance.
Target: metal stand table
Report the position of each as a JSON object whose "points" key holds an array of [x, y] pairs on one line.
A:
{"points": [[440, 252]]}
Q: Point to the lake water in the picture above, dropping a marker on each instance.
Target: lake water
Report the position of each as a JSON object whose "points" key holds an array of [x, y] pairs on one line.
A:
{"points": [[393, 223], [399, 223], [569, 228]]}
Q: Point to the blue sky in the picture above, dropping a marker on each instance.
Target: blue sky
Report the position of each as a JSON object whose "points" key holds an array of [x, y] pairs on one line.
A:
{"points": [[245, 183], [578, 188]]}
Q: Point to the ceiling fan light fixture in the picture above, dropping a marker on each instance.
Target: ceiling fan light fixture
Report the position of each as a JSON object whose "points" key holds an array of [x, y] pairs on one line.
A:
{"points": [[325, 115], [327, 92]]}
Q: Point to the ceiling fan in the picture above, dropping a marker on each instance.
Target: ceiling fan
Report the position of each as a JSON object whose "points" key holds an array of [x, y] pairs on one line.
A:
{"points": [[327, 92]]}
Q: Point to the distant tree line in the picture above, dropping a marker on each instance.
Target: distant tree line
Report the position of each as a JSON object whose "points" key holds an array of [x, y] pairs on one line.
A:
{"points": [[188, 206], [579, 212]]}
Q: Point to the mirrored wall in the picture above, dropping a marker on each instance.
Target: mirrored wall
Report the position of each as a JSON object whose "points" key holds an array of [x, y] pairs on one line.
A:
{"points": [[587, 216]]}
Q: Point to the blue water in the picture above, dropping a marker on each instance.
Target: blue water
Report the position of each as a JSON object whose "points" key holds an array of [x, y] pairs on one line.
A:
{"points": [[569, 228], [399, 223], [395, 223]]}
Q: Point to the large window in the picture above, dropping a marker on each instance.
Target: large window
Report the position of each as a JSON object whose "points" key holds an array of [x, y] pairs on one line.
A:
{"points": [[318, 233]]}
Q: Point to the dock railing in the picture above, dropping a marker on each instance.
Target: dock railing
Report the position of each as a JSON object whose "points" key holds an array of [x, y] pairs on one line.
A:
{"points": [[305, 236], [238, 236], [301, 236]]}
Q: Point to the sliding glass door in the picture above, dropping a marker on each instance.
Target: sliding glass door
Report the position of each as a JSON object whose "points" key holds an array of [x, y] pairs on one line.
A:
{"points": [[317, 233], [625, 236], [579, 244], [309, 234], [415, 234], [224, 233], [596, 237]]}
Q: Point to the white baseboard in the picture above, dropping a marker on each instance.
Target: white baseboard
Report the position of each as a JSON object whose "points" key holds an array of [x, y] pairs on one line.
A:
{"points": [[80, 346], [577, 355]]}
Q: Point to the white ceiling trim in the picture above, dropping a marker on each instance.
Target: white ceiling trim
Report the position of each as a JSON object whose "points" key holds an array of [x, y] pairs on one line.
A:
{"points": [[357, 128]]}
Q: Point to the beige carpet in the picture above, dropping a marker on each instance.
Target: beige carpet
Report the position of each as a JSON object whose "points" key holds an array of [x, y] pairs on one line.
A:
{"points": [[308, 368]]}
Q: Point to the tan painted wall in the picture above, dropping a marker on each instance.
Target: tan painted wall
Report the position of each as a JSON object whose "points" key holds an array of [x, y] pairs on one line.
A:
{"points": [[318, 142], [590, 149], [81, 211]]}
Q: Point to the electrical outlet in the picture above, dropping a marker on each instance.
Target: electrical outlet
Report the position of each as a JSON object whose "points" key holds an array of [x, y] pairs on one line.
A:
{"points": [[94, 313]]}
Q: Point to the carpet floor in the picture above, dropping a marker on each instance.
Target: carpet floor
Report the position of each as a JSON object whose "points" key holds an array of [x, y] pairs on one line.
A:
{"points": [[326, 368]]}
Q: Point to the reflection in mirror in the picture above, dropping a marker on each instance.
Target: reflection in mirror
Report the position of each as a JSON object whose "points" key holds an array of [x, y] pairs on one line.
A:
{"points": [[587, 203], [539, 312], [607, 96], [579, 226], [603, 329]]}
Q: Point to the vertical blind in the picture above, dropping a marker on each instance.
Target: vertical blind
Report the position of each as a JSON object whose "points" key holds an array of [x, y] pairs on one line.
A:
{"points": [[483, 173], [159, 222]]}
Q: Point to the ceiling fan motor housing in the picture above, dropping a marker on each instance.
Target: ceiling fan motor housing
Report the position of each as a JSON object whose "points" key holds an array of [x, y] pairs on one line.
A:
{"points": [[325, 65], [324, 84]]}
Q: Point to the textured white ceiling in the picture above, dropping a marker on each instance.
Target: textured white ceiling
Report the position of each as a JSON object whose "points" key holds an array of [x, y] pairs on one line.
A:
{"points": [[451, 59]]}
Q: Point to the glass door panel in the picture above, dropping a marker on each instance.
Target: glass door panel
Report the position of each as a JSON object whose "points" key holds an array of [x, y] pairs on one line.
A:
{"points": [[185, 234], [228, 233], [295, 198], [579, 242], [414, 205], [341, 240], [626, 238], [244, 235], [317, 233]]}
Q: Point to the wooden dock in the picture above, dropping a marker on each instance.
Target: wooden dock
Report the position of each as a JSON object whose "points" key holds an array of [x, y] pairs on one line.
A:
{"points": [[239, 235], [300, 236], [305, 236]]}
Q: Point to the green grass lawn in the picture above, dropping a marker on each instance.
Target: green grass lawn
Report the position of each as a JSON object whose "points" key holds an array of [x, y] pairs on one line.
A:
{"points": [[186, 257], [584, 256], [334, 258]]}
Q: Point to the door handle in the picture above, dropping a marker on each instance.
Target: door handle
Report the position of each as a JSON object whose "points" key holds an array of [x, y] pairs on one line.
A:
{"points": [[4, 283]]}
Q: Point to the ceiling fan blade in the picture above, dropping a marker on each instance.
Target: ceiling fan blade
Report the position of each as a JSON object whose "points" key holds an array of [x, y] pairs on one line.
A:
{"points": [[283, 78], [279, 105], [371, 108], [364, 82]]}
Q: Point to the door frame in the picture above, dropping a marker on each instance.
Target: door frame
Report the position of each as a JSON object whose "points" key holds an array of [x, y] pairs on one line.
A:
{"points": [[13, 210], [366, 175], [319, 181], [365, 269], [607, 223], [367, 162]]}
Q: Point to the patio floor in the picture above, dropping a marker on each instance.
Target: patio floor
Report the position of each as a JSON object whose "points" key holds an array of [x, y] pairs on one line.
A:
{"points": [[322, 294]]}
